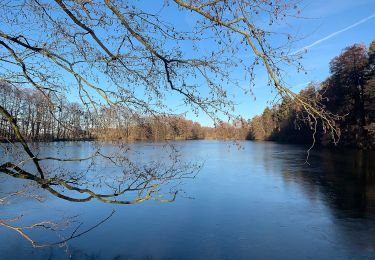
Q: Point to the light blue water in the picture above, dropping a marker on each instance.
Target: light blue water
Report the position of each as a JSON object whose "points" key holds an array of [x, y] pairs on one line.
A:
{"points": [[257, 202]]}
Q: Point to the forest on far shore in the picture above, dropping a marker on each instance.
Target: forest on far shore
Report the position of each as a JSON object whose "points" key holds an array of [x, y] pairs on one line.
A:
{"points": [[348, 93]]}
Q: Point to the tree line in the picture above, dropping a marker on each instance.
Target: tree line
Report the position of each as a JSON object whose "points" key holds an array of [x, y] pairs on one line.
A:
{"points": [[348, 94], [38, 121]]}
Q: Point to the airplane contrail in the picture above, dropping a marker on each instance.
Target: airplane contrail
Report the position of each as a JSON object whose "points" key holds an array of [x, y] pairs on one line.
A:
{"points": [[302, 84], [334, 34]]}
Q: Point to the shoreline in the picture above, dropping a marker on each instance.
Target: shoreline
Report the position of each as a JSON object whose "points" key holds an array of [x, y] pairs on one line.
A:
{"points": [[316, 146]]}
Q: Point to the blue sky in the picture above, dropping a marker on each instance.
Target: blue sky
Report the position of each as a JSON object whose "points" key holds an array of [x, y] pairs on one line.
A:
{"points": [[327, 28], [328, 25]]}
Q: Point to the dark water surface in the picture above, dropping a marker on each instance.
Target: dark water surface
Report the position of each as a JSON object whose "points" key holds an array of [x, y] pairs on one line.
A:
{"points": [[257, 202]]}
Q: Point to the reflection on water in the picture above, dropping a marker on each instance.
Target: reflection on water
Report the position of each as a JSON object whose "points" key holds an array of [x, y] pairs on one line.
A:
{"points": [[346, 178], [260, 202]]}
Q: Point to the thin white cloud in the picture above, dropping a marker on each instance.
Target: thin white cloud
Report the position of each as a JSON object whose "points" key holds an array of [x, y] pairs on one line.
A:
{"points": [[301, 85], [334, 34]]}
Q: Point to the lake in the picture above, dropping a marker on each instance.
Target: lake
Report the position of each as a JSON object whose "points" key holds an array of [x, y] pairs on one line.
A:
{"points": [[258, 200]]}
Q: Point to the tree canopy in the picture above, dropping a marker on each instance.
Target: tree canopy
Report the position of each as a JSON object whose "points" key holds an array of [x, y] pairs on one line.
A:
{"points": [[347, 93]]}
